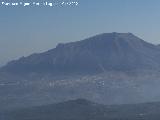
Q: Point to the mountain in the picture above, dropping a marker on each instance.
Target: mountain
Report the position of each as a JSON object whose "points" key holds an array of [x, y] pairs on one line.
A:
{"points": [[82, 109], [104, 52], [109, 68]]}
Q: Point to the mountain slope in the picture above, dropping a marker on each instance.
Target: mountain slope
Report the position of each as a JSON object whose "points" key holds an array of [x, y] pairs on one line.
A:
{"points": [[82, 109], [110, 68], [104, 52]]}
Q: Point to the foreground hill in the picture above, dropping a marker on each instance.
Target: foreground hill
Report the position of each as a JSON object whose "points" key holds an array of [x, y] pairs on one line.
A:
{"points": [[82, 109]]}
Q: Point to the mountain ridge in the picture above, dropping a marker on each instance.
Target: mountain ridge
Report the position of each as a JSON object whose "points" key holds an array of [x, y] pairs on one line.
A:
{"points": [[103, 52], [79, 110]]}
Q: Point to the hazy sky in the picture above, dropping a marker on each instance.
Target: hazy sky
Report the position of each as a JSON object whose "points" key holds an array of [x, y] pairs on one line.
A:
{"points": [[36, 29]]}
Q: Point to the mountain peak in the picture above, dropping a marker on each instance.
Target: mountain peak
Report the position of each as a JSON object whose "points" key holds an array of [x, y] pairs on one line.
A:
{"points": [[116, 34], [105, 40]]}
